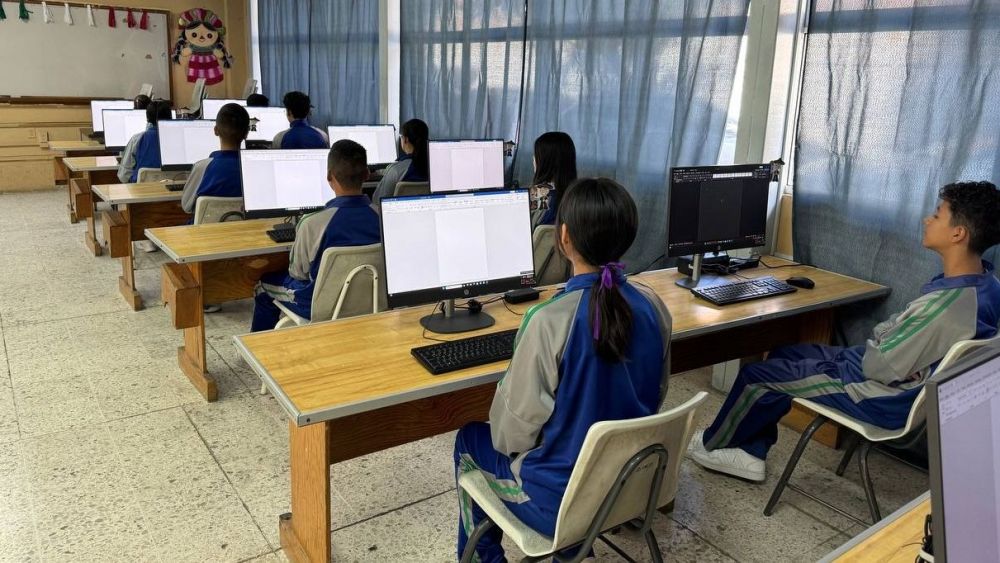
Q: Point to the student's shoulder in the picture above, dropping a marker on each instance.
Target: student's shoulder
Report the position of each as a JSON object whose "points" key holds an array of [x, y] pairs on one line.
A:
{"points": [[560, 309]]}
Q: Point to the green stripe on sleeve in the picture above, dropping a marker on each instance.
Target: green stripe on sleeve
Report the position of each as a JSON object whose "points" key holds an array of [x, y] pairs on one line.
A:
{"points": [[947, 298]]}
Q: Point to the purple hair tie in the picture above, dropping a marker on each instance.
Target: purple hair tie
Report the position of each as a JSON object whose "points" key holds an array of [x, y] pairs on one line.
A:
{"points": [[608, 273]]}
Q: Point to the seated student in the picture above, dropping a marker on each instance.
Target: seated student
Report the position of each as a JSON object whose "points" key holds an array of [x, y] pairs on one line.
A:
{"points": [[412, 166], [219, 174], [555, 169], [258, 101], [598, 350], [875, 383], [347, 220], [141, 101], [143, 149], [299, 135]]}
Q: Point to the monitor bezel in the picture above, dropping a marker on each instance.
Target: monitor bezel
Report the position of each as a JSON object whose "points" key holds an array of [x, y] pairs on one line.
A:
{"points": [[700, 247], [434, 295], [395, 136], [430, 180], [278, 211]]}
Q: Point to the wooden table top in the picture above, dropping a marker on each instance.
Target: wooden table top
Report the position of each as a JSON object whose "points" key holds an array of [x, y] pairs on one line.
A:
{"points": [[145, 192], [217, 241], [74, 146], [332, 369], [896, 539], [91, 163]]}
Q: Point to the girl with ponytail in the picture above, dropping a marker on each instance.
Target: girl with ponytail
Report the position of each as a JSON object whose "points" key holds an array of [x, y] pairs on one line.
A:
{"points": [[598, 350], [412, 166]]}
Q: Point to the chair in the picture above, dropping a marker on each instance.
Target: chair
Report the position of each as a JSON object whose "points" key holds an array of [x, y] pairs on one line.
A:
{"points": [[614, 482], [157, 175], [550, 267], [412, 188], [864, 437], [211, 209]]}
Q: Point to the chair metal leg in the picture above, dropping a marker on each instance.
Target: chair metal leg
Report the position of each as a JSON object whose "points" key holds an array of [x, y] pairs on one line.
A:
{"points": [[654, 548], [866, 481], [470, 546], [852, 447], [792, 462]]}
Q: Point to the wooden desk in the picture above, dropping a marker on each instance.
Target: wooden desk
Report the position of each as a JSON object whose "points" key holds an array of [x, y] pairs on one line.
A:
{"points": [[895, 539], [85, 172], [351, 386], [71, 148], [213, 263], [135, 208]]}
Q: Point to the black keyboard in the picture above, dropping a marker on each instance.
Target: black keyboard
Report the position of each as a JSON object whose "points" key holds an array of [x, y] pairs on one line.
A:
{"points": [[282, 235], [175, 187], [467, 352], [727, 293]]}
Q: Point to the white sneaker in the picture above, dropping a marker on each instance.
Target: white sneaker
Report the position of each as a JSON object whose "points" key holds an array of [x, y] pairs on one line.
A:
{"points": [[147, 246], [212, 308], [731, 461]]}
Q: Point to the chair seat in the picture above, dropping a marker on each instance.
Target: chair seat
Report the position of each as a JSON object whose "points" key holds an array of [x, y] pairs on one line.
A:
{"points": [[528, 540], [870, 432], [299, 321]]}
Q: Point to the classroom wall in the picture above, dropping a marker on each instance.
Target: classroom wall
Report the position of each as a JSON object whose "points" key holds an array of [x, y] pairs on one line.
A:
{"points": [[783, 246]]}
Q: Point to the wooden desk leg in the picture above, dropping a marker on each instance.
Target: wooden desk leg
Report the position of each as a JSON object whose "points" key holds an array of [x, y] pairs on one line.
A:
{"points": [[191, 356], [126, 282], [90, 237], [305, 531], [71, 206]]}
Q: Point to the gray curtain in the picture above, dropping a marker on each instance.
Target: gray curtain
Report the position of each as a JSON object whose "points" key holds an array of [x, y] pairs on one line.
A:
{"points": [[328, 49], [899, 98]]}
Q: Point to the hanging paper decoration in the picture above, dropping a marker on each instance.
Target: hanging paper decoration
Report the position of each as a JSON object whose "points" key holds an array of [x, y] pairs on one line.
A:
{"points": [[67, 15], [46, 13], [111, 18], [201, 43], [3, 14], [144, 20], [130, 19], [23, 14], [90, 16]]}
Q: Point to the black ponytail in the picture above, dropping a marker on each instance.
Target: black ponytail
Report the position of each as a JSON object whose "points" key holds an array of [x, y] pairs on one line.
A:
{"points": [[417, 132], [601, 220]]}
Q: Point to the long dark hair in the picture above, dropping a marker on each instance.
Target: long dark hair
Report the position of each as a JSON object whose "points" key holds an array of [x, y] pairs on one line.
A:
{"points": [[555, 161], [601, 220], [417, 132]]}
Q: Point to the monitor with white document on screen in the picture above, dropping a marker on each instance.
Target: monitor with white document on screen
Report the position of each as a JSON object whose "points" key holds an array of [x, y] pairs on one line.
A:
{"points": [[285, 182], [379, 141], [448, 246], [120, 125], [210, 107], [465, 165], [266, 123], [98, 106], [184, 142]]}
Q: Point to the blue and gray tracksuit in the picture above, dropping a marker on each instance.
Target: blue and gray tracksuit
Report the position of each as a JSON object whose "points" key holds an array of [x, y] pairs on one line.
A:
{"points": [[301, 135], [142, 151], [555, 388], [401, 171], [346, 221], [216, 176], [875, 383]]}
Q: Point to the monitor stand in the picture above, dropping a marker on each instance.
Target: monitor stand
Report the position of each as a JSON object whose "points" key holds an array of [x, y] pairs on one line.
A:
{"points": [[696, 278], [451, 321]]}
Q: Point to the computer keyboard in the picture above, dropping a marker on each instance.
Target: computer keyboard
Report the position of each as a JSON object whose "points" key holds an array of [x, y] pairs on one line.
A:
{"points": [[282, 235], [467, 352], [727, 293], [174, 187]]}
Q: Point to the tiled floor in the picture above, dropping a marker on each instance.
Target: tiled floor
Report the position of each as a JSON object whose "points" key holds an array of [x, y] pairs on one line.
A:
{"points": [[108, 454]]}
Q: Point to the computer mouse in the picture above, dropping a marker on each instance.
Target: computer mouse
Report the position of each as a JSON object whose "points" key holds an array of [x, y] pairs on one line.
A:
{"points": [[800, 281]]}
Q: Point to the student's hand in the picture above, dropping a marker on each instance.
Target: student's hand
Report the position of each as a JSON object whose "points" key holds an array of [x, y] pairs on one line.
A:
{"points": [[218, 53], [186, 52]]}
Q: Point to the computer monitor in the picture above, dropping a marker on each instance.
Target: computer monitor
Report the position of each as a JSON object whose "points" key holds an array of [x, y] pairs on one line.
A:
{"points": [[286, 182], [715, 208], [210, 107], [269, 122], [98, 106], [963, 444], [379, 141], [465, 165], [249, 87], [184, 142], [442, 247], [121, 124]]}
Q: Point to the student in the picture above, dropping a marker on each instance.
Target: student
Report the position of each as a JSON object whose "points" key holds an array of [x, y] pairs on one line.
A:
{"points": [[299, 135], [258, 101], [412, 166], [598, 350], [555, 169], [875, 383], [348, 220], [219, 174], [143, 149], [141, 101]]}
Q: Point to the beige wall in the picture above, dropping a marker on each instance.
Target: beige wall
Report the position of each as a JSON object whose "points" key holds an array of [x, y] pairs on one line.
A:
{"points": [[784, 242]]}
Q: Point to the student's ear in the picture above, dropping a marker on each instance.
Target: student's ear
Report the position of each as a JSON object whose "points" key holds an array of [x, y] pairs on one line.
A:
{"points": [[564, 241], [216, 130], [959, 234], [367, 174]]}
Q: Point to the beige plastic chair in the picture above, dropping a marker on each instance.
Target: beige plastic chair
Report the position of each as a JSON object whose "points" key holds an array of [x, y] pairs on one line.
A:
{"points": [[412, 188], [614, 482], [550, 267], [157, 175], [211, 209], [866, 435]]}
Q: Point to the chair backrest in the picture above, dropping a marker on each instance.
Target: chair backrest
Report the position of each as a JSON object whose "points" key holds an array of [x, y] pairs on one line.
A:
{"points": [[156, 175], [412, 188], [211, 209], [608, 447], [550, 267], [341, 269]]}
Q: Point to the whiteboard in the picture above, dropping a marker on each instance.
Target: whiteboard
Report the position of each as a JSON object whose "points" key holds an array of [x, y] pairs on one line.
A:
{"points": [[60, 60]]}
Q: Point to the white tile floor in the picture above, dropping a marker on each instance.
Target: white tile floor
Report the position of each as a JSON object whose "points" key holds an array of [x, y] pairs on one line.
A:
{"points": [[108, 454]]}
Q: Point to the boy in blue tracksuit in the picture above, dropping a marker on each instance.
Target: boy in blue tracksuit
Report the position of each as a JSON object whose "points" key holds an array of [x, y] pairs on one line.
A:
{"points": [[143, 149], [219, 174], [571, 368], [878, 382], [348, 220], [299, 135]]}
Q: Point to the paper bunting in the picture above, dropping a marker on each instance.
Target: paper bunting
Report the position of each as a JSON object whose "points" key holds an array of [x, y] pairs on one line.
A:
{"points": [[111, 18], [22, 13], [130, 19], [90, 16], [144, 20], [67, 15], [46, 13]]}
